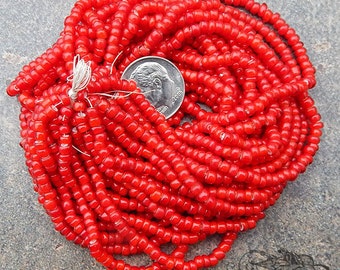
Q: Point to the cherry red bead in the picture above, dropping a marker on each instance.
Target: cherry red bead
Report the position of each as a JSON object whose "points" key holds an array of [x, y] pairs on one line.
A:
{"points": [[118, 178]]}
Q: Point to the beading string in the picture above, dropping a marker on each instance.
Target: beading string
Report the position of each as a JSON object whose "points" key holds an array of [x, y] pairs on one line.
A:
{"points": [[118, 178]]}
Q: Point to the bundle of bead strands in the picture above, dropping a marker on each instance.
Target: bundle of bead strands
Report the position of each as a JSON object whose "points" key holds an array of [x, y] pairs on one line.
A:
{"points": [[118, 178]]}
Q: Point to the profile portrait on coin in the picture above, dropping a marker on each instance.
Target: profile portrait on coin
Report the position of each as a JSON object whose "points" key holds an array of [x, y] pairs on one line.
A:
{"points": [[154, 81]]}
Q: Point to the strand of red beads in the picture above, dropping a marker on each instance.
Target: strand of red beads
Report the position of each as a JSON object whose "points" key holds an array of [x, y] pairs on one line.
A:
{"points": [[118, 178]]}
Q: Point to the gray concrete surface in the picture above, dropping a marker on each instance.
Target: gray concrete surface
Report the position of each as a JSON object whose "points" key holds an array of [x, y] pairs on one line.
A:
{"points": [[306, 218]]}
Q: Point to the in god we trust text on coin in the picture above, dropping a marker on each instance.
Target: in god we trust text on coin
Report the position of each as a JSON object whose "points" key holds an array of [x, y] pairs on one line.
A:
{"points": [[160, 81]]}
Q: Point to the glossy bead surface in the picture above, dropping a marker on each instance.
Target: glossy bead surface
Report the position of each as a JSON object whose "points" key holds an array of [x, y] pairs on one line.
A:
{"points": [[118, 178]]}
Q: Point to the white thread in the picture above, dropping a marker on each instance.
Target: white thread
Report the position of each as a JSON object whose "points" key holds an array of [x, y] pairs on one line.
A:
{"points": [[115, 93], [89, 101], [81, 76], [55, 106], [77, 149], [114, 61]]}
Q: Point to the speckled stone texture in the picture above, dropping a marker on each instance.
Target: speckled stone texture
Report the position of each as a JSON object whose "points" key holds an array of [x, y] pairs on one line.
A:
{"points": [[306, 218]]}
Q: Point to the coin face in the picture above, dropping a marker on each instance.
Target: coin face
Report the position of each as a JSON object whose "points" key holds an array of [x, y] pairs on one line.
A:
{"points": [[160, 81]]}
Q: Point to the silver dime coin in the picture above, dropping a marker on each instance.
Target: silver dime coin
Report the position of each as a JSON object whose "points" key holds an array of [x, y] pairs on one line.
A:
{"points": [[160, 81]]}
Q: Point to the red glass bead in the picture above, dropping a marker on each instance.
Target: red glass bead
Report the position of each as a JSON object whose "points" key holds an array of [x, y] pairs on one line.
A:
{"points": [[107, 166]]}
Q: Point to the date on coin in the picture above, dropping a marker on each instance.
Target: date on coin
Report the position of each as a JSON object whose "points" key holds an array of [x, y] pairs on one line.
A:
{"points": [[160, 81]]}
